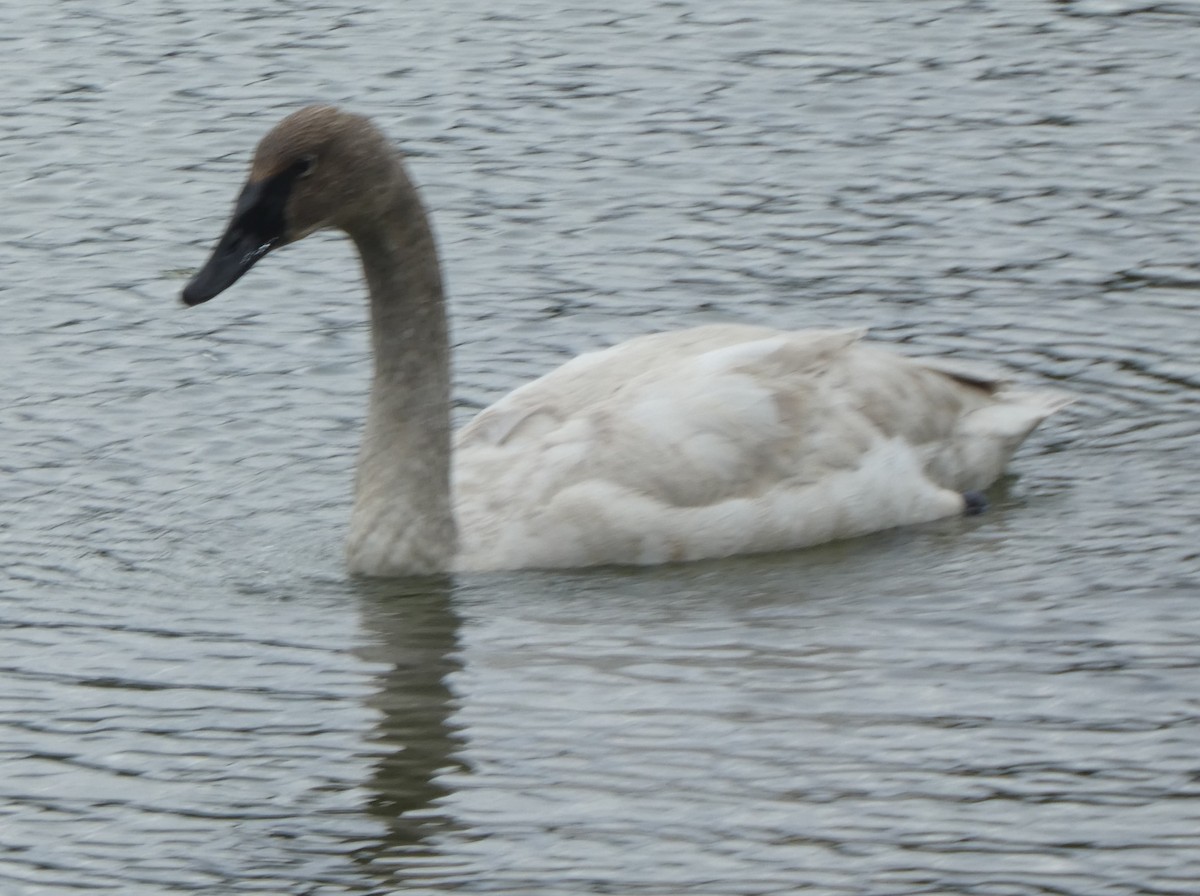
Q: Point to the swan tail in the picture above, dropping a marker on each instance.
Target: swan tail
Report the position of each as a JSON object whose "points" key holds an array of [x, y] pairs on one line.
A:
{"points": [[988, 436]]}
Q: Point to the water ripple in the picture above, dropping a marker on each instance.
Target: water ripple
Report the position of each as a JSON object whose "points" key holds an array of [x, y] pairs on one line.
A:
{"points": [[197, 700]]}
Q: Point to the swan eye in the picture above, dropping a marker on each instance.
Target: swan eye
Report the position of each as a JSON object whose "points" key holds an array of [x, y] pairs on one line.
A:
{"points": [[306, 164]]}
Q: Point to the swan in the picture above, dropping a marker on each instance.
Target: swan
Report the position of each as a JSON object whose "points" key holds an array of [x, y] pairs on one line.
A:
{"points": [[707, 442]]}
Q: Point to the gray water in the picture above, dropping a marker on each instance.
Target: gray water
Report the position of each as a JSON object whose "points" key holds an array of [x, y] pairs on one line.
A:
{"points": [[194, 698]]}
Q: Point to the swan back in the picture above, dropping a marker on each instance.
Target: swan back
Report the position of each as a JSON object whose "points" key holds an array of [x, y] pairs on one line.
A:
{"points": [[727, 439]]}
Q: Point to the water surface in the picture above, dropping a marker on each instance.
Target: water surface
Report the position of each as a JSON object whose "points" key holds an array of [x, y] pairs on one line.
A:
{"points": [[197, 699]]}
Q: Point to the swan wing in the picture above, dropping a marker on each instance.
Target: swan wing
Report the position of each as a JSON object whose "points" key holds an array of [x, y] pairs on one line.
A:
{"points": [[723, 440]]}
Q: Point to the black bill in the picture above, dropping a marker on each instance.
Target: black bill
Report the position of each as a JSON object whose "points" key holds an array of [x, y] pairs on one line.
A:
{"points": [[257, 227]]}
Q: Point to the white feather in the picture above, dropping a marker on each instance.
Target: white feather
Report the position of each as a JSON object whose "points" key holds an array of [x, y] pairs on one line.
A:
{"points": [[724, 440]]}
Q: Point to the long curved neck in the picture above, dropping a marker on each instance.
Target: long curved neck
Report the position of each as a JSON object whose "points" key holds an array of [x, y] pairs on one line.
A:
{"points": [[403, 522]]}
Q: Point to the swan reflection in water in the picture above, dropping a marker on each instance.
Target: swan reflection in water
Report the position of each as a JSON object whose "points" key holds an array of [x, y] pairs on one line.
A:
{"points": [[413, 631]]}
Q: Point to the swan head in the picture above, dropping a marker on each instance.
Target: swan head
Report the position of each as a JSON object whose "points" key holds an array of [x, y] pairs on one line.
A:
{"points": [[319, 168]]}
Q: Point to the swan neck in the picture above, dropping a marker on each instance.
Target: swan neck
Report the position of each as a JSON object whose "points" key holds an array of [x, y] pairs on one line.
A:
{"points": [[402, 521]]}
